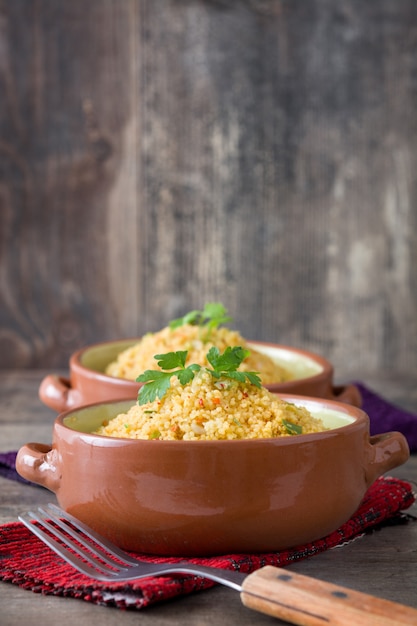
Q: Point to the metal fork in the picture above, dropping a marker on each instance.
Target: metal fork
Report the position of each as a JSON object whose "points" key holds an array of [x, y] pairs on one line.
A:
{"points": [[281, 593]]}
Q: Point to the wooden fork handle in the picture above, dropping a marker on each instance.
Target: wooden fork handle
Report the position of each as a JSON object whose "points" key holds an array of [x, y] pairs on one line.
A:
{"points": [[307, 601]]}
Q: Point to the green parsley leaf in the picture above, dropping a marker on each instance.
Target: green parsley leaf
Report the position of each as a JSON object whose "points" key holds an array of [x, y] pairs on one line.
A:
{"points": [[170, 360], [185, 375], [224, 365], [254, 378], [213, 314], [158, 382], [190, 318], [156, 385], [239, 376], [292, 429], [229, 361]]}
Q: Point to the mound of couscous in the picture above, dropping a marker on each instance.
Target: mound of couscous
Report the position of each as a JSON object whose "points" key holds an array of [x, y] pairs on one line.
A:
{"points": [[196, 340], [209, 408]]}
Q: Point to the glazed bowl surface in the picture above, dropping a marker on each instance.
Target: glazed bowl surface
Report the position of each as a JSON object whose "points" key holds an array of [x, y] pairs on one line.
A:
{"points": [[88, 383], [212, 497]]}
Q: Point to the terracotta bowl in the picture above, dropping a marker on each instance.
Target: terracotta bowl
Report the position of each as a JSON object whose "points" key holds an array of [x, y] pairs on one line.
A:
{"points": [[88, 383], [212, 497]]}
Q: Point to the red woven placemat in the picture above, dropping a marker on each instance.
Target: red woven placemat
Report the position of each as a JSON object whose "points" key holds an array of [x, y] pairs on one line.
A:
{"points": [[27, 562]]}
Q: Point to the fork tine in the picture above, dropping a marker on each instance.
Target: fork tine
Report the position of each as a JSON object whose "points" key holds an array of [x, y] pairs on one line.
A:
{"points": [[97, 540], [73, 560], [79, 538], [82, 559]]}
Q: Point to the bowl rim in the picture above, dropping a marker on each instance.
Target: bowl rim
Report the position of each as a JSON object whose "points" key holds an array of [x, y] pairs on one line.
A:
{"points": [[359, 421]]}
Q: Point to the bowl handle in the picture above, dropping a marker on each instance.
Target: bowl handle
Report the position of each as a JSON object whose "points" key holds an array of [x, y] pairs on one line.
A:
{"points": [[57, 393], [39, 464], [349, 394], [386, 451]]}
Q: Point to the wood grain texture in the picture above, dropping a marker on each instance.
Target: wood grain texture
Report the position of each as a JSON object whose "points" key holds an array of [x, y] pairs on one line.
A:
{"points": [[307, 601], [158, 154]]}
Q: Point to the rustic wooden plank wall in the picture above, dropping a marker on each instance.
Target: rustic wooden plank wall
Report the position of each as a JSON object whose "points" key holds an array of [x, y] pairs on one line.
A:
{"points": [[158, 154]]}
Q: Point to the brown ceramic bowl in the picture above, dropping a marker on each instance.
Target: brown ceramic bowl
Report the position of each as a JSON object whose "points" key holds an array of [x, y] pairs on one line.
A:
{"points": [[89, 384], [212, 497]]}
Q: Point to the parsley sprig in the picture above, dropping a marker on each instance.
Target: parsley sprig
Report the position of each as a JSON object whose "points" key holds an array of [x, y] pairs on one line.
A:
{"points": [[225, 365], [291, 428], [157, 382], [213, 315]]}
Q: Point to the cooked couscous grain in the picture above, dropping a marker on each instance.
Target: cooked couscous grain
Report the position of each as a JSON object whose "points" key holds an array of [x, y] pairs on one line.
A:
{"points": [[197, 341], [210, 409]]}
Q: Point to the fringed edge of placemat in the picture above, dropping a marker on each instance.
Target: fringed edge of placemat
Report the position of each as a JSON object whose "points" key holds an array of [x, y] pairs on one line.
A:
{"points": [[27, 562]]}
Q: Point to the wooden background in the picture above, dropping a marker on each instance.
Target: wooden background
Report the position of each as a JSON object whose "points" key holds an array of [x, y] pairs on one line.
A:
{"points": [[158, 154]]}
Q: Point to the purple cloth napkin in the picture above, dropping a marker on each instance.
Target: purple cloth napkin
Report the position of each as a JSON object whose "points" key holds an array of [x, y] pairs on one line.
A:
{"points": [[7, 467], [383, 416]]}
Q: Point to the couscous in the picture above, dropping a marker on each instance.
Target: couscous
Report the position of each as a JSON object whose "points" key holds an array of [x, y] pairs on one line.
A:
{"points": [[212, 408], [196, 340]]}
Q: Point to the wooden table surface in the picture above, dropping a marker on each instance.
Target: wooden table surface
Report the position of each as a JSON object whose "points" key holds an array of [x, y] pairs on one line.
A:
{"points": [[383, 563]]}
